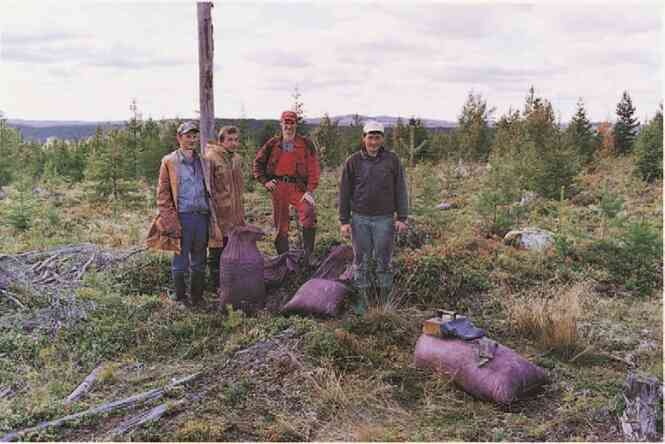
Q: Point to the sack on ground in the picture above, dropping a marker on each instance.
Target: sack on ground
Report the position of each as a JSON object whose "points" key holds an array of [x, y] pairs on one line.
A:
{"points": [[241, 271], [276, 268], [335, 265], [320, 297], [505, 378]]}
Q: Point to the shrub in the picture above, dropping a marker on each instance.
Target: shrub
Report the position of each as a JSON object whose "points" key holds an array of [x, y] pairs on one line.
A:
{"points": [[633, 258], [431, 279], [649, 149], [20, 213], [550, 317]]}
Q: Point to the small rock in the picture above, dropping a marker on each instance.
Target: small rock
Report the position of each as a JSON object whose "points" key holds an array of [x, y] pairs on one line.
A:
{"points": [[528, 198], [461, 171], [39, 191], [530, 239], [3, 194], [447, 206], [646, 345]]}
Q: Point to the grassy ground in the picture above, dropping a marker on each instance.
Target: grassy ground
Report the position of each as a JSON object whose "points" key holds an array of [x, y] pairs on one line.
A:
{"points": [[571, 310]]}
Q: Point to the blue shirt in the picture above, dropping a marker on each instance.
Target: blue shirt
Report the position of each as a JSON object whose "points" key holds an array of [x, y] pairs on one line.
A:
{"points": [[192, 196]]}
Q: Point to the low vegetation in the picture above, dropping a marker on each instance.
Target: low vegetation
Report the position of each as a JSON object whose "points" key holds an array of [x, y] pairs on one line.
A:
{"points": [[588, 309]]}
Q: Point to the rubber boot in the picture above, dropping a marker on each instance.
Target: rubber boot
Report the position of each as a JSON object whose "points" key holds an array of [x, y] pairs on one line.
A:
{"points": [[308, 238], [281, 244], [198, 281], [180, 286], [213, 268], [361, 302]]}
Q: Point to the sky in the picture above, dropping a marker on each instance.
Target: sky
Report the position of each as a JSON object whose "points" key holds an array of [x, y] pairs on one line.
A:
{"points": [[88, 60]]}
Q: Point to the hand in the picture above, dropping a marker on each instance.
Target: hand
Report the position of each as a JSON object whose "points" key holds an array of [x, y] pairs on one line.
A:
{"points": [[400, 226], [270, 185], [309, 197], [345, 229]]}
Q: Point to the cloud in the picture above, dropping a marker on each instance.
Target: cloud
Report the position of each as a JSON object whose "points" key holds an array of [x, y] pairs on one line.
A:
{"points": [[73, 50], [492, 74], [42, 37], [279, 58]]}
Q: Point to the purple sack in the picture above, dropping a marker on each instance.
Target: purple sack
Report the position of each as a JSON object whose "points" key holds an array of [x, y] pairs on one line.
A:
{"points": [[241, 271], [507, 377], [276, 268], [336, 264], [321, 297]]}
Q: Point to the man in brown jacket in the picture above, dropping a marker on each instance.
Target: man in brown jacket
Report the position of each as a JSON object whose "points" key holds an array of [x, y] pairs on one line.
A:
{"points": [[184, 224], [227, 187]]}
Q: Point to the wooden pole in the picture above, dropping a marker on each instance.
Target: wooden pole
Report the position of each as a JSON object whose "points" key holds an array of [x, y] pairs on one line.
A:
{"points": [[206, 56]]}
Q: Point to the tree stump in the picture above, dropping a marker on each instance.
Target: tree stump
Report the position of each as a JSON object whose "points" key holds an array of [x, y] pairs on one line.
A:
{"points": [[642, 395]]}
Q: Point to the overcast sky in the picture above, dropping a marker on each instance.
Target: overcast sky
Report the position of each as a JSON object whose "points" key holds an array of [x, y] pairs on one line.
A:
{"points": [[87, 60]]}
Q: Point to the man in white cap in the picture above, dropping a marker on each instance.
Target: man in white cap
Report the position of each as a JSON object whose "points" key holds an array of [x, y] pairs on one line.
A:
{"points": [[373, 203]]}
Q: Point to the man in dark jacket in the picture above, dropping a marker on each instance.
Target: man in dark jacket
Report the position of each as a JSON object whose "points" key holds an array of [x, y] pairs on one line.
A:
{"points": [[373, 203], [288, 167]]}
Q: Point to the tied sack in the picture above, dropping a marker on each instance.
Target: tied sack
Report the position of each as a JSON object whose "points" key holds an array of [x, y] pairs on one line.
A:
{"points": [[241, 281], [505, 378]]}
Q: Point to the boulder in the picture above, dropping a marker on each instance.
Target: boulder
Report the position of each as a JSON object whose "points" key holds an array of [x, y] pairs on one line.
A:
{"points": [[530, 239]]}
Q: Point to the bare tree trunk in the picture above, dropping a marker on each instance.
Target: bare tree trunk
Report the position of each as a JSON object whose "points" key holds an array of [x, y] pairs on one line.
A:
{"points": [[206, 65]]}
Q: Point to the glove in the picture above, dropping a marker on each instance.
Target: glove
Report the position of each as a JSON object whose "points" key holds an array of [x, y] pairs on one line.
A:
{"points": [[309, 197]]}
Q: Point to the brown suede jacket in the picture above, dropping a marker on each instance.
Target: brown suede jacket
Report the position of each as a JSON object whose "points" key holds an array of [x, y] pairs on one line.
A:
{"points": [[227, 187], [166, 231]]}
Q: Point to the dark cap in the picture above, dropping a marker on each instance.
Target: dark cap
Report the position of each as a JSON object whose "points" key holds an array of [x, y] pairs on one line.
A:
{"points": [[186, 127]]}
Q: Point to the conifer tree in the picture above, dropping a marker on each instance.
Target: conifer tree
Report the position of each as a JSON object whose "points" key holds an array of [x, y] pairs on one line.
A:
{"points": [[134, 127], [649, 149], [473, 131], [108, 169], [328, 139], [626, 126], [580, 134]]}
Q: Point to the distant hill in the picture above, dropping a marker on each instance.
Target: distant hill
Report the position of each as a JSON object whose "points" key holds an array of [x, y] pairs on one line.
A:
{"points": [[388, 121]]}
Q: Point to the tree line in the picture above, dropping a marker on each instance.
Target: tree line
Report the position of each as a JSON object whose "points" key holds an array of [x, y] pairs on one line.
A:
{"points": [[526, 149]]}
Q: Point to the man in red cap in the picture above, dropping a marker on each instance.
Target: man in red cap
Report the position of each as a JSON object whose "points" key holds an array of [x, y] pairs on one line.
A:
{"points": [[287, 165]]}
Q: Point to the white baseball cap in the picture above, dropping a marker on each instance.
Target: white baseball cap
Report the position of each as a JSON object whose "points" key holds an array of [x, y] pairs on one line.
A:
{"points": [[373, 127]]}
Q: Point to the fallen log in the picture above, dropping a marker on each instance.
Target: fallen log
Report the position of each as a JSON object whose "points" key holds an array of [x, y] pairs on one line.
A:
{"points": [[9, 296], [132, 401], [84, 387], [134, 422]]}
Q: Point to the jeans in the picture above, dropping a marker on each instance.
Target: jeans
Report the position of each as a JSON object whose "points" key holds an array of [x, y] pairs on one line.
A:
{"points": [[372, 237], [193, 244]]}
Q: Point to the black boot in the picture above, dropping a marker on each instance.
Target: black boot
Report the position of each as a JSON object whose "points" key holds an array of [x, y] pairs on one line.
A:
{"points": [[281, 244], [180, 287], [213, 268], [198, 281], [308, 238]]}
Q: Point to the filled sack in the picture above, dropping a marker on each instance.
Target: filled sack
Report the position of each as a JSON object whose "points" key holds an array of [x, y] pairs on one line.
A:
{"points": [[241, 270], [319, 297], [505, 378], [276, 268]]}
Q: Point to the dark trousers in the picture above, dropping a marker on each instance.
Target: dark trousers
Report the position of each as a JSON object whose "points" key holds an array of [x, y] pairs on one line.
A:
{"points": [[214, 255], [372, 237], [193, 244]]}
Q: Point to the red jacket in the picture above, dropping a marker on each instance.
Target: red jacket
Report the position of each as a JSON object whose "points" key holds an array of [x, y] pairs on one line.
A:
{"points": [[307, 162]]}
